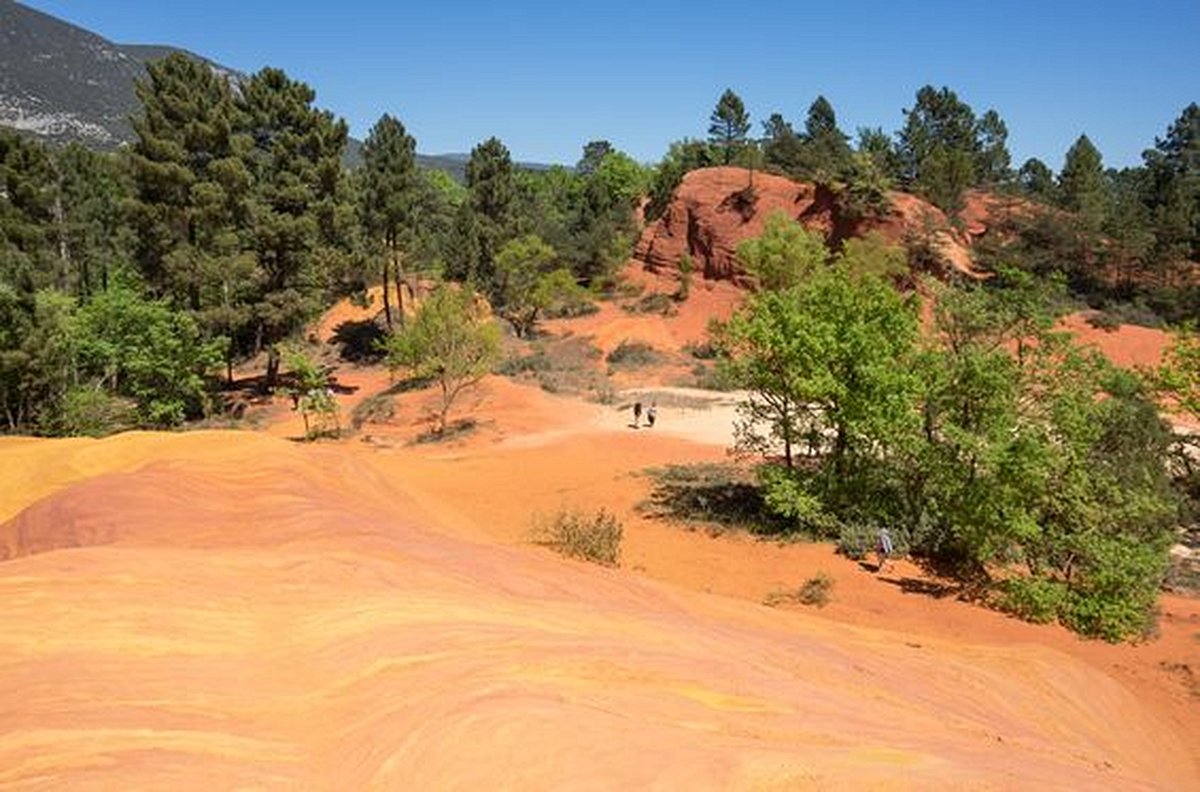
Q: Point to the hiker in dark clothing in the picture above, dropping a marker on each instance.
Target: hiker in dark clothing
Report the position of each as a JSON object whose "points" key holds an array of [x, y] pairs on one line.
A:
{"points": [[637, 414]]}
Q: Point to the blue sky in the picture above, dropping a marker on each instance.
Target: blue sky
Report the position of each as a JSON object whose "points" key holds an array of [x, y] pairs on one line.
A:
{"points": [[545, 77]]}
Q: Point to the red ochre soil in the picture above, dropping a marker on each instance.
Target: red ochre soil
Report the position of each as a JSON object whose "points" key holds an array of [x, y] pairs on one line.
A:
{"points": [[222, 609], [708, 216]]}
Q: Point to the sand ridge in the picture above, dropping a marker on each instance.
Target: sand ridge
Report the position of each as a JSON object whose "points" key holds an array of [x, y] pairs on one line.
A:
{"points": [[266, 613]]}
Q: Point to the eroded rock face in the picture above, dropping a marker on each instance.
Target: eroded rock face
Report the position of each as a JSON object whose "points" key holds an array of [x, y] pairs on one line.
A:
{"points": [[713, 210]]}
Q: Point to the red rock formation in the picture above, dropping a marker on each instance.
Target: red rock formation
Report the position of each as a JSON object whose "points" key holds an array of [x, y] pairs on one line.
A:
{"points": [[712, 212]]}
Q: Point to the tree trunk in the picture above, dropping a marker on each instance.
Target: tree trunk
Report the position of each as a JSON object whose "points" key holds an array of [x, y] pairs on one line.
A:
{"points": [[399, 273], [387, 302], [272, 368]]}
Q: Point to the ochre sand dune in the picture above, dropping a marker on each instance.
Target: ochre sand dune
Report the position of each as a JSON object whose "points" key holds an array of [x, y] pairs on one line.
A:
{"points": [[219, 610]]}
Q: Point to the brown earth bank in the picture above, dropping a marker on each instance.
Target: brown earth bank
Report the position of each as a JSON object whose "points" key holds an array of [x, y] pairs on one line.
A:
{"points": [[710, 214]]}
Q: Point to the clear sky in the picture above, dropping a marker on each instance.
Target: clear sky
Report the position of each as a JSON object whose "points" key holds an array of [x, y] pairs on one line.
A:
{"points": [[545, 77]]}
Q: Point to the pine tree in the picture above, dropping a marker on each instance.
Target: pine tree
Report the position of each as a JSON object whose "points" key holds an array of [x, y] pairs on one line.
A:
{"points": [[1081, 183], [992, 164], [729, 124], [390, 184], [1174, 193], [295, 163], [1036, 179], [825, 151], [939, 146], [190, 181], [493, 189]]}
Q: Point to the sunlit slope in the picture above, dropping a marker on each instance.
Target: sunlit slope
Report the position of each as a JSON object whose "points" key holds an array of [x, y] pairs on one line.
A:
{"points": [[230, 610]]}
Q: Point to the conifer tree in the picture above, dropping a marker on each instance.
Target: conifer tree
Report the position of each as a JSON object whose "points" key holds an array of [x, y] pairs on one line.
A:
{"points": [[825, 152], [729, 125], [190, 180], [390, 183], [492, 187], [1081, 183], [295, 162]]}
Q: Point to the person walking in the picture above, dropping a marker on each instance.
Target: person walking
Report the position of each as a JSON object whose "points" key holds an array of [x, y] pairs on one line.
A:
{"points": [[637, 414], [651, 415], [885, 548]]}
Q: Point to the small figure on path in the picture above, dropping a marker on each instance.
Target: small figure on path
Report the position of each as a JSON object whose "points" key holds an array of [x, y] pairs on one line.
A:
{"points": [[637, 414], [884, 548], [651, 414]]}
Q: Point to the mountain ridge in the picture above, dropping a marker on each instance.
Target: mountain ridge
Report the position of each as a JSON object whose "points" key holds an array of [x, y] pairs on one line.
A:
{"points": [[61, 83]]}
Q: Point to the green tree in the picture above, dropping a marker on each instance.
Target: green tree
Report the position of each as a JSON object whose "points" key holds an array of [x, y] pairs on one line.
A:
{"points": [[877, 144], [449, 341], [1081, 184], [492, 186], [295, 163], [313, 396], [824, 362], [1037, 180], [865, 192], [1174, 191], [147, 351], [993, 162], [939, 146], [94, 232], [728, 125], [784, 255], [36, 355], [29, 253], [190, 179], [390, 184], [682, 157], [781, 145], [521, 266], [824, 148], [594, 152]]}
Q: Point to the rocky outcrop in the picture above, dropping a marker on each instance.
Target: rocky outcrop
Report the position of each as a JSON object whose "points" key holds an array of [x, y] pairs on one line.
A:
{"points": [[715, 208]]}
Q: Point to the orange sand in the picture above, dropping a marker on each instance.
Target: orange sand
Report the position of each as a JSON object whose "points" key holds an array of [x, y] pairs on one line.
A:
{"points": [[231, 609], [238, 610]]}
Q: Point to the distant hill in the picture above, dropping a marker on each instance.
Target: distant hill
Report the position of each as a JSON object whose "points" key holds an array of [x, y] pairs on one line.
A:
{"points": [[61, 84]]}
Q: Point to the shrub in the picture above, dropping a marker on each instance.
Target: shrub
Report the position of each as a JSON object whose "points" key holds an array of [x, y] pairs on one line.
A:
{"points": [[1033, 599], [814, 591], [856, 540], [654, 303], [722, 495], [379, 408], [594, 537], [632, 354], [94, 412], [702, 350]]}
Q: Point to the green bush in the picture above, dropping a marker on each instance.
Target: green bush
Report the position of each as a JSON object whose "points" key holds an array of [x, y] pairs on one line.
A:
{"points": [[632, 354], [594, 537], [94, 412], [1115, 595], [856, 540], [1033, 599]]}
